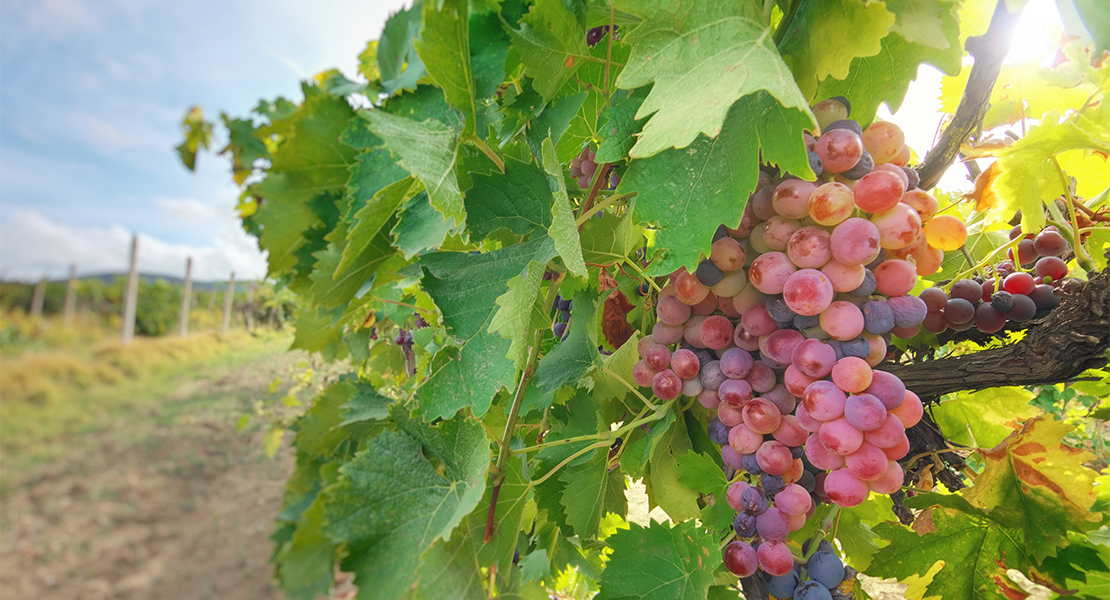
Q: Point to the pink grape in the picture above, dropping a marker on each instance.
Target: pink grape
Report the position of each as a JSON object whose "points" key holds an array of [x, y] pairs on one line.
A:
{"points": [[692, 387], [746, 298], [1051, 266], [729, 415], [895, 277], [808, 292], [878, 349], [735, 392], [864, 411], [824, 401], [770, 271], [762, 416], [814, 358], [809, 248], [923, 202], [744, 340], [1019, 283], [888, 388], [935, 298], [733, 493], [790, 432], [887, 435], [831, 203], [775, 557], [908, 310], [884, 141], [761, 378], [666, 385], [1049, 242], [709, 399], [855, 241], [716, 332], [711, 375], [843, 277], [852, 374], [706, 307], [839, 149], [780, 344], [744, 440], [724, 304], [899, 451], [672, 311], [774, 457], [820, 455], [692, 332], [794, 473], [890, 481], [867, 463], [840, 436], [777, 232], [898, 227], [796, 381], [806, 421], [879, 191], [757, 321], [762, 203], [688, 289], [645, 342], [642, 374], [658, 357], [989, 320], [935, 322], [727, 254], [781, 398], [845, 489], [896, 170], [797, 521], [910, 410], [736, 363], [742, 559], [842, 320], [793, 500], [685, 363], [667, 334], [772, 524], [791, 198]]}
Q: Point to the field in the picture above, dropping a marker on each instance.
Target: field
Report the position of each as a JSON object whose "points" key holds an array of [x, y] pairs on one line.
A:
{"points": [[143, 487]]}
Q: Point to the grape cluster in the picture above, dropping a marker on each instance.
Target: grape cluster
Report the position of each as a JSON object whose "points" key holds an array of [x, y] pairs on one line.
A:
{"points": [[782, 346], [583, 167], [822, 577], [562, 319], [404, 340], [596, 34]]}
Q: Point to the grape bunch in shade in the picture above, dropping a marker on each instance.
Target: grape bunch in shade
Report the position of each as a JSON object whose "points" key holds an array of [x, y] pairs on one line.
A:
{"points": [[822, 577], [779, 328], [561, 320], [583, 167]]}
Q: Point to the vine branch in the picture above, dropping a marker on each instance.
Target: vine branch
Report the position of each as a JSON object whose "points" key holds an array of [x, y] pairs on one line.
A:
{"points": [[989, 51]]}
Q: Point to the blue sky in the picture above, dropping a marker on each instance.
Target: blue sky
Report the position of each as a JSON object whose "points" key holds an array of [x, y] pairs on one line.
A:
{"points": [[91, 96]]}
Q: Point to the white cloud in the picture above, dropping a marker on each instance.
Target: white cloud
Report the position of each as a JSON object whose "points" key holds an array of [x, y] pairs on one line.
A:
{"points": [[191, 211], [34, 246]]}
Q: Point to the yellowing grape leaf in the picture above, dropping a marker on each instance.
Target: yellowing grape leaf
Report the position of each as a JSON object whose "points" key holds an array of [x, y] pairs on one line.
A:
{"points": [[983, 419], [1032, 482], [702, 57], [922, 21], [826, 35]]}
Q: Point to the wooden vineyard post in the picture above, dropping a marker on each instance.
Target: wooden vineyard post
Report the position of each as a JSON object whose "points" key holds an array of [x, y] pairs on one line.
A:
{"points": [[229, 301], [71, 298], [186, 299], [37, 300], [131, 294]]}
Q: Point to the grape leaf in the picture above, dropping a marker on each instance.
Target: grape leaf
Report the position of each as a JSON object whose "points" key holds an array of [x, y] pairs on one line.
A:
{"points": [[659, 563], [817, 44], [572, 358], [448, 571], [304, 563], [465, 287], [662, 481], [562, 229], [391, 503], [609, 385], [332, 287], [365, 404], [398, 62], [976, 554], [591, 81], [984, 418], [444, 48], [315, 328], [283, 224], [553, 123], [701, 473], [609, 239], [619, 127], [579, 416], [552, 44], [1096, 20], [591, 491], [428, 149], [369, 220], [517, 201], [922, 21], [688, 193], [419, 227], [639, 451], [520, 312], [319, 431], [1072, 562], [489, 46], [1034, 483], [702, 57]]}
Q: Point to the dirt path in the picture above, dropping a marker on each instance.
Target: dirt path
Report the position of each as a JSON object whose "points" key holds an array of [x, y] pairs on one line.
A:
{"points": [[167, 501]]}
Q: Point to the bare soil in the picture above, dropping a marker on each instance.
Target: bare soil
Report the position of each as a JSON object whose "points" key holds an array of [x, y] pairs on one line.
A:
{"points": [[165, 501]]}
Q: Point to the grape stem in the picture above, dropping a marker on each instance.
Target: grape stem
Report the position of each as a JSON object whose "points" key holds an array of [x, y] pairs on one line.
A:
{"points": [[601, 174], [478, 143], [600, 205], [1081, 256], [504, 452], [631, 387], [635, 267], [986, 261]]}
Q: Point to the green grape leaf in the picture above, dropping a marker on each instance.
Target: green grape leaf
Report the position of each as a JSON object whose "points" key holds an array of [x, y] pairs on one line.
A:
{"points": [[419, 227], [591, 82], [398, 62], [373, 216], [580, 416], [520, 312], [562, 230], [983, 419], [610, 383], [975, 552], [428, 149], [885, 77], [1076, 562], [663, 479], [659, 563], [688, 193], [489, 46], [444, 48], [198, 134], [534, 566], [619, 128], [315, 328], [1034, 483], [610, 239], [591, 491], [304, 563], [448, 571], [465, 287], [332, 287], [283, 225], [636, 456], [518, 201], [573, 357], [391, 503], [552, 44], [701, 473], [922, 21], [856, 536], [318, 430], [817, 43], [701, 58], [553, 123], [365, 404], [1097, 21]]}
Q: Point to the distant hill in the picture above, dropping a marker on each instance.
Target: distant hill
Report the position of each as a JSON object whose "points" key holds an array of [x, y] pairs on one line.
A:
{"points": [[146, 278]]}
